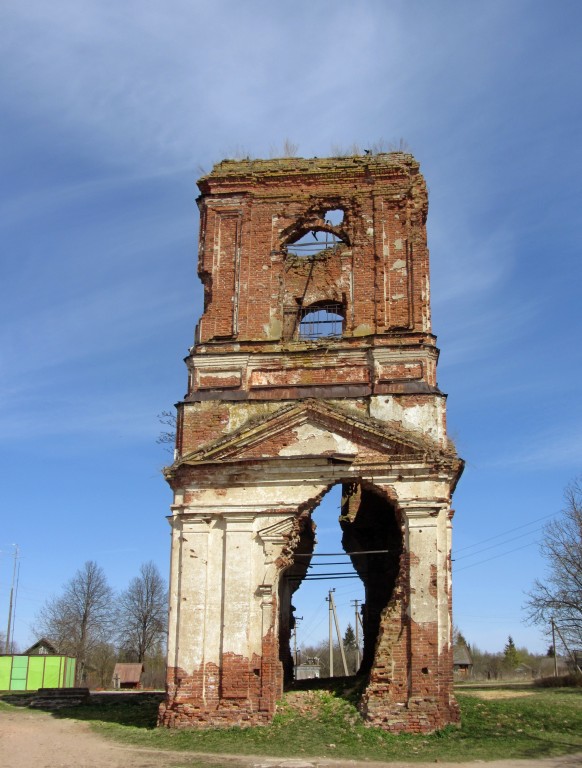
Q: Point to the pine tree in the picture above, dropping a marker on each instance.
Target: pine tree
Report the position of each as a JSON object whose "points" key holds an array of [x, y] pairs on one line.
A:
{"points": [[349, 638], [510, 654], [459, 639]]}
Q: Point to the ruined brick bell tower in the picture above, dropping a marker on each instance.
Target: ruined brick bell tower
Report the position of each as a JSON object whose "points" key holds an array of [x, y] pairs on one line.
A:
{"points": [[314, 365]]}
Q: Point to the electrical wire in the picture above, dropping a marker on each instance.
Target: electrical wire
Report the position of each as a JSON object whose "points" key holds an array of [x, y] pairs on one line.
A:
{"points": [[492, 546], [500, 535], [311, 628], [495, 557]]}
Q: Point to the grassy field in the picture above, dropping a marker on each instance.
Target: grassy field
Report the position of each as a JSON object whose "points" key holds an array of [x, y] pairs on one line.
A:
{"points": [[502, 722]]}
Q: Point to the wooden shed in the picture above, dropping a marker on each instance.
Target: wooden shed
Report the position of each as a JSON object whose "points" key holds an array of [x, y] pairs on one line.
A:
{"points": [[462, 662], [127, 676]]}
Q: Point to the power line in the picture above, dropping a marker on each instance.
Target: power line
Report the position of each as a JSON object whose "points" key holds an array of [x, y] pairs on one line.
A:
{"points": [[461, 549], [313, 624], [500, 535], [495, 557], [335, 575], [500, 544]]}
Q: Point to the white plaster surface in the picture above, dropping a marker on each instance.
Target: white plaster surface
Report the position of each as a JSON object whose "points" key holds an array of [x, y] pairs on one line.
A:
{"points": [[313, 440], [225, 576], [252, 498], [428, 418], [422, 535], [226, 539]]}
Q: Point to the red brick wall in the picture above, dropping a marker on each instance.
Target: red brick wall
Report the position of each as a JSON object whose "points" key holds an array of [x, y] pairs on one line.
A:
{"points": [[250, 212], [240, 692], [252, 209]]}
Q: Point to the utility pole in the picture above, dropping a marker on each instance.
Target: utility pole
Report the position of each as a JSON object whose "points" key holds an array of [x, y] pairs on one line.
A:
{"points": [[6, 650], [554, 648], [567, 647], [330, 633], [339, 635], [15, 602], [297, 619], [356, 604]]}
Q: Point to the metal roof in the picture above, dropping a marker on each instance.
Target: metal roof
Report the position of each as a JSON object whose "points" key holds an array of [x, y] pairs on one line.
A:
{"points": [[461, 655], [128, 673]]}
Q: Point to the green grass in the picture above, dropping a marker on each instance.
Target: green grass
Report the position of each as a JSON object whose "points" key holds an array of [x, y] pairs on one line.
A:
{"points": [[320, 723]]}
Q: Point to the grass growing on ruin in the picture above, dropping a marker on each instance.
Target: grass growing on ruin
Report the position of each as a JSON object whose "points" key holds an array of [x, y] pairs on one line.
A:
{"points": [[325, 723]]}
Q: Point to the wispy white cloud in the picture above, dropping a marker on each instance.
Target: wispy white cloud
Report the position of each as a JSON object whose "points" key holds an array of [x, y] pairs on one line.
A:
{"points": [[115, 416], [89, 325], [468, 265], [59, 194], [338, 74], [103, 100], [555, 446], [484, 332]]}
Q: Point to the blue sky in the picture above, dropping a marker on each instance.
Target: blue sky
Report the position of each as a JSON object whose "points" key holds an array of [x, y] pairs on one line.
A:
{"points": [[111, 111]]}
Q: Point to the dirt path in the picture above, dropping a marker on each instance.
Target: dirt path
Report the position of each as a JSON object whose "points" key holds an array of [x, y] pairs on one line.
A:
{"points": [[38, 740]]}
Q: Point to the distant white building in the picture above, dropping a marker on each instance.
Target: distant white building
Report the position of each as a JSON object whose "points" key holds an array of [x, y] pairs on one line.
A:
{"points": [[311, 669]]}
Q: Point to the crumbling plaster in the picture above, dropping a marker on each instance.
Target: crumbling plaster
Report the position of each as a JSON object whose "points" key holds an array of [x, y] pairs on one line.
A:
{"points": [[270, 422]]}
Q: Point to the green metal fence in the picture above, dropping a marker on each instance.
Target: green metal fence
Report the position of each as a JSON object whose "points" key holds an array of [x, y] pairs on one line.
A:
{"points": [[29, 673]]}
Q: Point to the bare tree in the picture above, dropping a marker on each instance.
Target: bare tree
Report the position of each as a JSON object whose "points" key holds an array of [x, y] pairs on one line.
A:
{"points": [[238, 152], [103, 659], [559, 595], [167, 437], [142, 613], [401, 145], [379, 147], [78, 621], [341, 151], [290, 148]]}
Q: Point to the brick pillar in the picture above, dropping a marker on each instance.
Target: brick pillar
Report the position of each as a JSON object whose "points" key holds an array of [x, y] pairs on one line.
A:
{"points": [[431, 702], [191, 678], [270, 670], [236, 609]]}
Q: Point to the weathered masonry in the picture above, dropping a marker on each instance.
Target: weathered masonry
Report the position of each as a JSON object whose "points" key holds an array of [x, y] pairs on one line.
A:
{"points": [[313, 365]]}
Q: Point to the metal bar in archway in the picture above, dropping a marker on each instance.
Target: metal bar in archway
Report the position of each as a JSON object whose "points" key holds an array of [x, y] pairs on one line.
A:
{"points": [[327, 577], [345, 554]]}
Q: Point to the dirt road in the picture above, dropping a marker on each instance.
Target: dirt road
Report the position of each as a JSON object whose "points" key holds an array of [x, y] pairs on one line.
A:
{"points": [[30, 739]]}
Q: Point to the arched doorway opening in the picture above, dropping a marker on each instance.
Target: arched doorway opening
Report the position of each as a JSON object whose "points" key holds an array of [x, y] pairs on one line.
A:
{"points": [[349, 542]]}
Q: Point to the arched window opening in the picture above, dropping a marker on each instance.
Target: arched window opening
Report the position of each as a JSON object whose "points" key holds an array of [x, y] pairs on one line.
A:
{"points": [[313, 243], [321, 321], [334, 217], [322, 238], [356, 563]]}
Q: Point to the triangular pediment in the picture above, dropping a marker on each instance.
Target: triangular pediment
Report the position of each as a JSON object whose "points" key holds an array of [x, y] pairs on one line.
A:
{"points": [[312, 428]]}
